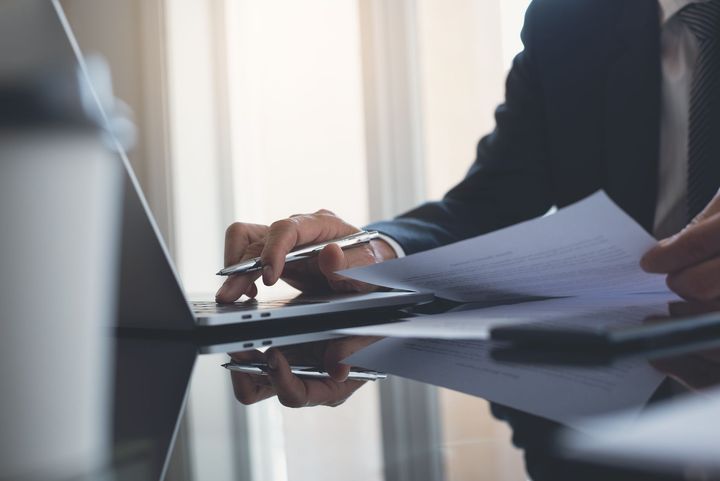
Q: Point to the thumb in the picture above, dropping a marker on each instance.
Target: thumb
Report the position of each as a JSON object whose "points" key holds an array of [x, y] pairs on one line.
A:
{"points": [[333, 259]]}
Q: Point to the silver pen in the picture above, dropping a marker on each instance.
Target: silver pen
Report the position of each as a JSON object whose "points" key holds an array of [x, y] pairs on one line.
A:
{"points": [[260, 369], [303, 252]]}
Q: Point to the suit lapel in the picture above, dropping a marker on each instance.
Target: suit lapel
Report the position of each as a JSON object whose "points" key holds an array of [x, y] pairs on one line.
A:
{"points": [[633, 111]]}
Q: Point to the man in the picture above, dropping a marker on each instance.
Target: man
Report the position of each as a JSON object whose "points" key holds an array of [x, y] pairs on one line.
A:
{"points": [[619, 95]]}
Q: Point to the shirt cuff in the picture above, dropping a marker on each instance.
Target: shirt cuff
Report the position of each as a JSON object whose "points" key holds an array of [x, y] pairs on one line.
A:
{"points": [[399, 251]]}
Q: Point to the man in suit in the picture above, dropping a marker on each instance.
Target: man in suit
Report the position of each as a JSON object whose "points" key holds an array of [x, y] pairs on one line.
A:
{"points": [[619, 95]]}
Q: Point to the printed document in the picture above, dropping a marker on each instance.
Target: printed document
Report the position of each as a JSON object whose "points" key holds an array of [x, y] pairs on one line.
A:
{"points": [[589, 248], [584, 260]]}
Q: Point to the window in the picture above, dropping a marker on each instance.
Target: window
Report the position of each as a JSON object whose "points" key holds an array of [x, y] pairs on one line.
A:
{"points": [[276, 124], [266, 109]]}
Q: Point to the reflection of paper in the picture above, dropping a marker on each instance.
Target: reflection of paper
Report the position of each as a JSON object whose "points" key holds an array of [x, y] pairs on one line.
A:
{"points": [[678, 433], [563, 394], [578, 312], [589, 248]]}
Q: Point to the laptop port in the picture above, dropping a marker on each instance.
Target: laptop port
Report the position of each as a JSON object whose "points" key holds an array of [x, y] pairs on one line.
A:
{"points": [[267, 343], [264, 314], [248, 344], [247, 316]]}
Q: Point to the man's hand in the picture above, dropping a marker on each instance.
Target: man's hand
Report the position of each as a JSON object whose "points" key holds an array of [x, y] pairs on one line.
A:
{"points": [[293, 391], [273, 243], [691, 258]]}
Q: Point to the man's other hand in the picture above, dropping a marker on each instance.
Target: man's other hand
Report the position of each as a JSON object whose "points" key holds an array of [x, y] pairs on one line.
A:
{"points": [[273, 243], [291, 390], [691, 258]]}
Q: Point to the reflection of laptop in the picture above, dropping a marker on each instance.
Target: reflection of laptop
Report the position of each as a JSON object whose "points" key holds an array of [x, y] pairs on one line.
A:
{"points": [[150, 291]]}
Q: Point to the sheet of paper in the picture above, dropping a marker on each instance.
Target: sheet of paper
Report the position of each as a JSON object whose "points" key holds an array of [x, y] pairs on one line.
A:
{"points": [[676, 433], [563, 394], [592, 312], [589, 248]]}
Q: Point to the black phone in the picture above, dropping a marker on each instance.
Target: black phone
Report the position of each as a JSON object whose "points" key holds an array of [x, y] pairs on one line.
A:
{"points": [[661, 332]]}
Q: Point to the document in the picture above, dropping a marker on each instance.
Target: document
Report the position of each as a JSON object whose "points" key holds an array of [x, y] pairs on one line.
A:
{"points": [[562, 394], [475, 323], [583, 260], [591, 248]]}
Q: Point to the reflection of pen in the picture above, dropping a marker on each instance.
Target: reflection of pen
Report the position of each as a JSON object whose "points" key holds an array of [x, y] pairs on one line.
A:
{"points": [[260, 369], [303, 252]]}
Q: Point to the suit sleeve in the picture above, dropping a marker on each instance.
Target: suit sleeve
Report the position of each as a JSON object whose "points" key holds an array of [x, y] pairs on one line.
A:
{"points": [[510, 179]]}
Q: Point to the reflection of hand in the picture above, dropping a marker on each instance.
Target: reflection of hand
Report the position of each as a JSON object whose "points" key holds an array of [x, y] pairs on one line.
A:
{"points": [[696, 371], [272, 244], [691, 258], [291, 390]]}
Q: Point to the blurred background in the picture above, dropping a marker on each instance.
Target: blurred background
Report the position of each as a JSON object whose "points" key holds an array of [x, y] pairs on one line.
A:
{"points": [[255, 110]]}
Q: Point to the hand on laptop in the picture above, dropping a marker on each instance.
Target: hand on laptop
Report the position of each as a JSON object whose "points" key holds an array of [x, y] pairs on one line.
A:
{"points": [[291, 390], [691, 258], [273, 243]]}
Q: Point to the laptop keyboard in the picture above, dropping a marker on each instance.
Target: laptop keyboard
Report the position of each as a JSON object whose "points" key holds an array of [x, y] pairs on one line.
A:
{"points": [[209, 307]]}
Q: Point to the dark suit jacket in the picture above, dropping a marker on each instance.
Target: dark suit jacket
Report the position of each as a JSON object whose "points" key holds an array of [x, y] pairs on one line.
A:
{"points": [[582, 113]]}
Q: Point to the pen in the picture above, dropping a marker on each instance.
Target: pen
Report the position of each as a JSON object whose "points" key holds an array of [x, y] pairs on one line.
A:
{"points": [[303, 252], [260, 369]]}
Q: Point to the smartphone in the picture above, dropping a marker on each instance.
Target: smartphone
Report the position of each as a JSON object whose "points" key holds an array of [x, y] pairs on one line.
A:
{"points": [[261, 368], [665, 332]]}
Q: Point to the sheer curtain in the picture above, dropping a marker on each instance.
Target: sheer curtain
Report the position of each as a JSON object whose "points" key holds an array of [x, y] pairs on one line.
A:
{"points": [[269, 117], [257, 110]]}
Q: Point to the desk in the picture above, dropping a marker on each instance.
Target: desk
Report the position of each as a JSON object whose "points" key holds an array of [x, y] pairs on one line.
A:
{"points": [[155, 376]]}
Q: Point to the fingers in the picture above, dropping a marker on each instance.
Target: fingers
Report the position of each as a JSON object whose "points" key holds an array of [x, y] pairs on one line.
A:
{"points": [[236, 286], [272, 244], [691, 258], [305, 276], [693, 245], [242, 242], [333, 259], [291, 391], [284, 235], [248, 388], [252, 292], [238, 237], [686, 309], [700, 282], [341, 349], [295, 392]]}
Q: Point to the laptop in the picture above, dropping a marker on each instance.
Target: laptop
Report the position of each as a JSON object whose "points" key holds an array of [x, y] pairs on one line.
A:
{"points": [[151, 295]]}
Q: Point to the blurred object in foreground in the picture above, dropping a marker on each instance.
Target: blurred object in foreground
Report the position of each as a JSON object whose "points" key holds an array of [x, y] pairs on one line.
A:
{"points": [[60, 188]]}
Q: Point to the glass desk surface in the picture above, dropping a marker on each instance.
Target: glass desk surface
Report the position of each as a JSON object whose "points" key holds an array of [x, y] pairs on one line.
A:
{"points": [[178, 416]]}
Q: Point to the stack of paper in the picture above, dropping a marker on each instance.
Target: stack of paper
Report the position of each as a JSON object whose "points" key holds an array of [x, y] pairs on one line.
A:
{"points": [[584, 258], [591, 248]]}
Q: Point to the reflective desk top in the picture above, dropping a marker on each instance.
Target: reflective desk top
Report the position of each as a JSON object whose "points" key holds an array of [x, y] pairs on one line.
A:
{"points": [[178, 415]]}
